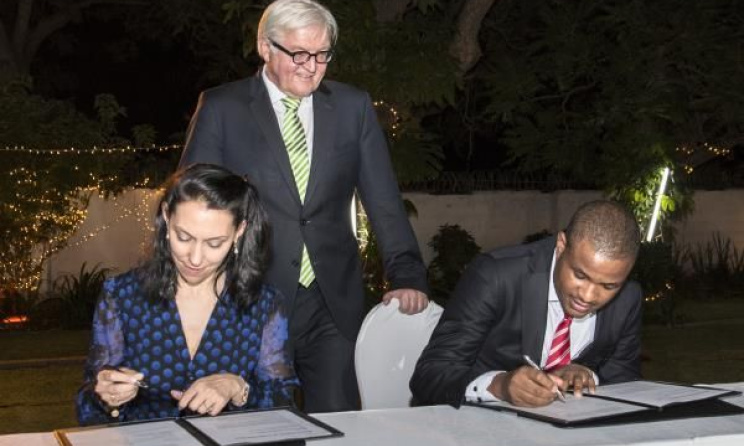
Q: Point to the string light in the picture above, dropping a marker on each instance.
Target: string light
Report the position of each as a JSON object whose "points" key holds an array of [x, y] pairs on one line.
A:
{"points": [[21, 263], [92, 151], [661, 294], [394, 120], [705, 149]]}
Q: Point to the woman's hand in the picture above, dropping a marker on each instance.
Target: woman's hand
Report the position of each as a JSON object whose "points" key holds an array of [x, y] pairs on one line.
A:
{"points": [[117, 386], [210, 395]]}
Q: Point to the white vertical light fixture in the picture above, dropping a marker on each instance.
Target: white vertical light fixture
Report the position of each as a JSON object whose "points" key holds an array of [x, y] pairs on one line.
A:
{"points": [[353, 211], [657, 205]]}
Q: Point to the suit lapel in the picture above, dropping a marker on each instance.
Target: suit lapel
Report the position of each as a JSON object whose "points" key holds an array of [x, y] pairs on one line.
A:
{"points": [[324, 123], [600, 336], [535, 305], [263, 114]]}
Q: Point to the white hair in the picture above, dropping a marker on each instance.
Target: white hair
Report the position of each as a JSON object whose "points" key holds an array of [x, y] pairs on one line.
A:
{"points": [[283, 16]]}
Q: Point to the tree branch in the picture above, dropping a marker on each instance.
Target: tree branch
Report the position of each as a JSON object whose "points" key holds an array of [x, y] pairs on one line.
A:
{"points": [[465, 47], [57, 21], [7, 56], [22, 21]]}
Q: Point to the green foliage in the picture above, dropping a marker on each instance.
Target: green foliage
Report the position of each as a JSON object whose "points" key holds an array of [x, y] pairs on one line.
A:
{"points": [[144, 135], [44, 194], [454, 248], [109, 111], [212, 29], [78, 295], [405, 62], [416, 155], [656, 271], [603, 90], [32, 121], [716, 269], [639, 193]]}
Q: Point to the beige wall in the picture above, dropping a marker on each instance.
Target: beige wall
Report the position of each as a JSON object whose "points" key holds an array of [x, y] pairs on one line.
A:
{"points": [[494, 219], [715, 211], [114, 235]]}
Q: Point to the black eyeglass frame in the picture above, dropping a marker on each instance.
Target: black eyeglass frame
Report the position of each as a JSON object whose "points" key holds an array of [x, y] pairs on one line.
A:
{"points": [[306, 55]]}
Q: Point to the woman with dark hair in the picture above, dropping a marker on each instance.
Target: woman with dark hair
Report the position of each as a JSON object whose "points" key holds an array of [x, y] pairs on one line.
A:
{"points": [[193, 328]]}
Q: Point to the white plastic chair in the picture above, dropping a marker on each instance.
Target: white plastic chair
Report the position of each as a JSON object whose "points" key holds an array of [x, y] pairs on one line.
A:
{"points": [[387, 348]]}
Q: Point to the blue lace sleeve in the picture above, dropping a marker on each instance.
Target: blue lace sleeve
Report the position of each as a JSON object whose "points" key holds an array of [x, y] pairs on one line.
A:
{"points": [[106, 349], [275, 377]]}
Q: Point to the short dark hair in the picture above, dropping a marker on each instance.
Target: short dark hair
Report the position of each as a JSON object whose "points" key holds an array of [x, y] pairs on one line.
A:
{"points": [[222, 190], [609, 226]]}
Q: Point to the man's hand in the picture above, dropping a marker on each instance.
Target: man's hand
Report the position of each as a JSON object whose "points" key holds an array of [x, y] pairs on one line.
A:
{"points": [[526, 387], [578, 377], [411, 301]]}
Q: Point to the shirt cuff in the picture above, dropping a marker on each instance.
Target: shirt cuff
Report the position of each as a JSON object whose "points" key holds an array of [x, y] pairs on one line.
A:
{"points": [[477, 391]]}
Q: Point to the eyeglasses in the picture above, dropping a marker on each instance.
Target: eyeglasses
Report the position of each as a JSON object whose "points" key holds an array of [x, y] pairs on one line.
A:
{"points": [[300, 57]]}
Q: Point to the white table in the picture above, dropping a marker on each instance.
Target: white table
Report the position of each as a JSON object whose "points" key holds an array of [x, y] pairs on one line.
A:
{"points": [[445, 426]]}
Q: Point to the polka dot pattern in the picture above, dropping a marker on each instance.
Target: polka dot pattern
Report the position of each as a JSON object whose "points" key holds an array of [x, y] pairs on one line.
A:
{"points": [[129, 331]]}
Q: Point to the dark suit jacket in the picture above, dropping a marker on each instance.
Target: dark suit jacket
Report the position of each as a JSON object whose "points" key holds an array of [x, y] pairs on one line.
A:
{"points": [[498, 313], [235, 126]]}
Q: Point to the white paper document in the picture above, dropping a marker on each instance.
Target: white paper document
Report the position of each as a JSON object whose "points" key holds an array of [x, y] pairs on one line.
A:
{"points": [[258, 427], [231, 429], [611, 402], [156, 433], [575, 409], [657, 394]]}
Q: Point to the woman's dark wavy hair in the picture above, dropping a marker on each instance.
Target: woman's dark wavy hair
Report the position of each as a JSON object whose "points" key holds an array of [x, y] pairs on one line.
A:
{"points": [[222, 190]]}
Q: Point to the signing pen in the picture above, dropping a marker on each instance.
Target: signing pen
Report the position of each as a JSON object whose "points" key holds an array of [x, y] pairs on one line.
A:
{"points": [[532, 364], [139, 383]]}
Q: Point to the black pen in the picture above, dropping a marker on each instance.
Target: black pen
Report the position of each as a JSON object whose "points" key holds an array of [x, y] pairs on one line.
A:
{"points": [[532, 364]]}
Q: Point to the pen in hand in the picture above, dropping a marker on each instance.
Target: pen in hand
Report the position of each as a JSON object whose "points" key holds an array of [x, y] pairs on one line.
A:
{"points": [[532, 364], [139, 383]]}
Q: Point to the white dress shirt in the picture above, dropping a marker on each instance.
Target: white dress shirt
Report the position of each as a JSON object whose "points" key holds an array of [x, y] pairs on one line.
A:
{"points": [[582, 334], [304, 112]]}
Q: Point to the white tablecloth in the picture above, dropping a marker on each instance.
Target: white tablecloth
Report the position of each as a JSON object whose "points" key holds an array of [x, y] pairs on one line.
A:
{"points": [[445, 426], [472, 426]]}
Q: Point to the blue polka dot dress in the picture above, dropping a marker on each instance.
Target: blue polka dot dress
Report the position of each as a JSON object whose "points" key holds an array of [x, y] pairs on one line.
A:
{"points": [[130, 331]]}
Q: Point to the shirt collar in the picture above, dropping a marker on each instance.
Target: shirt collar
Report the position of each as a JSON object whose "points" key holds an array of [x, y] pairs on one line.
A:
{"points": [[552, 295], [275, 94]]}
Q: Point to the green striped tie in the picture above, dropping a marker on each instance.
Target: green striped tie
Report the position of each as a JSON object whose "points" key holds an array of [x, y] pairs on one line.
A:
{"points": [[294, 140]]}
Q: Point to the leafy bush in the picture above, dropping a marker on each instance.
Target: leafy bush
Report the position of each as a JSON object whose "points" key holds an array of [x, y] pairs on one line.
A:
{"points": [[454, 248], [77, 296], [656, 271], [715, 269]]}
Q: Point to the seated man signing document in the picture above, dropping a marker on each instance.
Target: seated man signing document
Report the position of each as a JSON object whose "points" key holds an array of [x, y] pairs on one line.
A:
{"points": [[564, 302]]}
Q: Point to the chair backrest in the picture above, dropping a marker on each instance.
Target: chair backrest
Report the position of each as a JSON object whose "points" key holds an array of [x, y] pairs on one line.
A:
{"points": [[387, 348]]}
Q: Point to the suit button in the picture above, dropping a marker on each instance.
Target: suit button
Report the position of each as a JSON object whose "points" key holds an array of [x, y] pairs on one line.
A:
{"points": [[304, 222], [295, 263]]}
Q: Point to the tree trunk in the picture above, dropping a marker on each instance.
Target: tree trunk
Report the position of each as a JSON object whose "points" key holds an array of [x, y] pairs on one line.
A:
{"points": [[19, 46], [465, 47], [8, 64]]}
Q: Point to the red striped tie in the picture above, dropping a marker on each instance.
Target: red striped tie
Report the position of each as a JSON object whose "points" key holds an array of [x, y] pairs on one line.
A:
{"points": [[560, 349]]}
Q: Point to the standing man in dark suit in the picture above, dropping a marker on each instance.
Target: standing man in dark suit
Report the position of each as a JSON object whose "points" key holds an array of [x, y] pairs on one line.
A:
{"points": [[308, 145], [563, 301]]}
